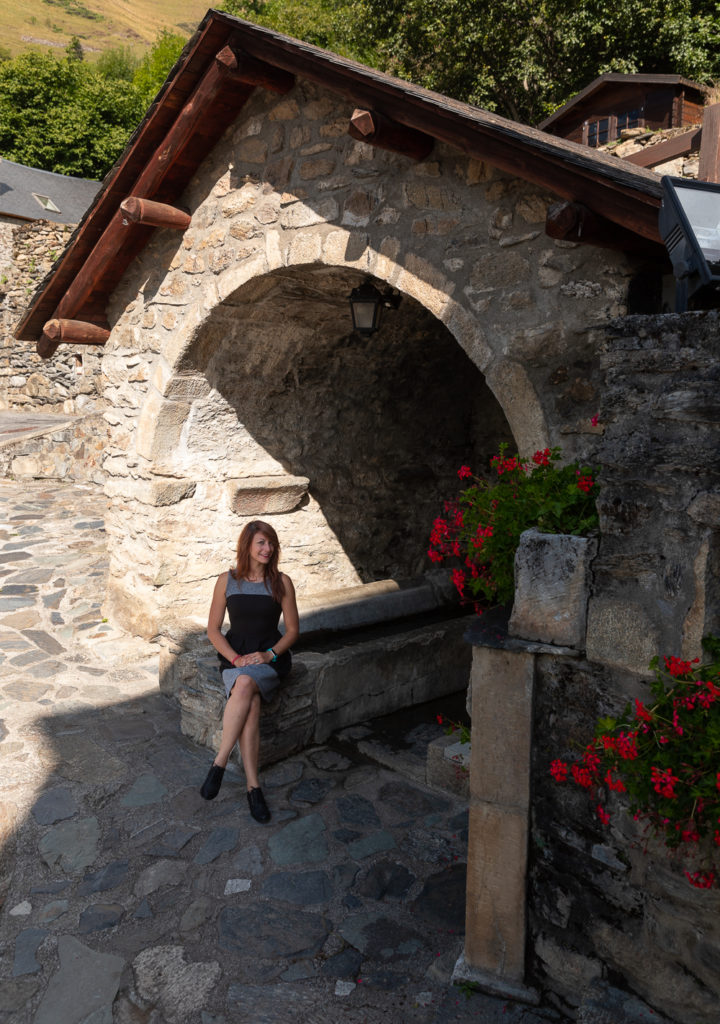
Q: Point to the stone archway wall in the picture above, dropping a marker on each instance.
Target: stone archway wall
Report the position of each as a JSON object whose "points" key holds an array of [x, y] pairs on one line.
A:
{"points": [[287, 195]]}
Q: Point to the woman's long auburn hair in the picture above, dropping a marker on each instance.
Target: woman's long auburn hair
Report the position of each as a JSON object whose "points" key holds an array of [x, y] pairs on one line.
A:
{"points": [[242, 566]]}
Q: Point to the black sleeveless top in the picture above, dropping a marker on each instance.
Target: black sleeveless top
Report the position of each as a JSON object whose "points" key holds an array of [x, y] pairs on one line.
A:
{"points": [[254, 615]]}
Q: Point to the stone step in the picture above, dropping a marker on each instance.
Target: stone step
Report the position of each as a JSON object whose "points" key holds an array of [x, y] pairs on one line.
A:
{"points": [[413, 743]]}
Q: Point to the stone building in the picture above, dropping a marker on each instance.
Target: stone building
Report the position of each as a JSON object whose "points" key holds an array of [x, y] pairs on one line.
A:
{"points": [[38, 210], [269, 180]]}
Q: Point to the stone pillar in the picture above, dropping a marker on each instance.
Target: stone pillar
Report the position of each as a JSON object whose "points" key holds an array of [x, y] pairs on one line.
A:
{"points": [[502, 693]]}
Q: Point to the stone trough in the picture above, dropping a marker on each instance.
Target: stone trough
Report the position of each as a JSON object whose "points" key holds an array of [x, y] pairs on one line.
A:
{"points": [[364, 652]]}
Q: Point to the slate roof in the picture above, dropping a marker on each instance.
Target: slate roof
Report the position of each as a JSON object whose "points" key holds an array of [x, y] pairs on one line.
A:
{"points": [[19, 185]]}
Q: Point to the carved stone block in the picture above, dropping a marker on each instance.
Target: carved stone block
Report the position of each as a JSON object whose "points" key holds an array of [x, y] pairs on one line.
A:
{"points": [[551, 588]]}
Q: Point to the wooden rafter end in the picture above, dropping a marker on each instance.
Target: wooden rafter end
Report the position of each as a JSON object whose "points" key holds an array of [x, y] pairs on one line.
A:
{"points": [[136, 210], [378, 130], [573, 222], [69, 332]]}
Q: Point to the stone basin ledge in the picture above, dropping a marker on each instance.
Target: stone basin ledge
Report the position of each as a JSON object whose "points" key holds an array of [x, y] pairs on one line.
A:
{"points": [[364, 652]]}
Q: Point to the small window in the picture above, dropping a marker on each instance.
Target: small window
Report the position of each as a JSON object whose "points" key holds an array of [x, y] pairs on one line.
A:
{"points": [[629, 120], [46, 203], [598, 132]]}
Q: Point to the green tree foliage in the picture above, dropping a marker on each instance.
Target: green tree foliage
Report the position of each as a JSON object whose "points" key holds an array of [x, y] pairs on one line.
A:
{"points": [[325, 23], [120, 64], [74, 50], [156, 65], [521, 58], [61, 115], [524, 58], [66, 115]]}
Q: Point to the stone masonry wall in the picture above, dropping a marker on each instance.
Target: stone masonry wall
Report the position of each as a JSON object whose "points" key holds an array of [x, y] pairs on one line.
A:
{"points": [[74, 450], [656, 575], [599, 907], [217, 367], [70, 382]]}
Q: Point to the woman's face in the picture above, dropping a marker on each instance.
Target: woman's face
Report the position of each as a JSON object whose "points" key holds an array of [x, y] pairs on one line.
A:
{"points": [[261, 549]]}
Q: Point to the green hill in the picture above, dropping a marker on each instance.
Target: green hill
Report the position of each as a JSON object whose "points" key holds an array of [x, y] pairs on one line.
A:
{"points": [[99, 24]]}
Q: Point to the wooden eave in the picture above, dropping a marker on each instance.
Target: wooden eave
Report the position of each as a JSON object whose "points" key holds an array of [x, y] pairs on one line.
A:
{"points": [[615, 190]]}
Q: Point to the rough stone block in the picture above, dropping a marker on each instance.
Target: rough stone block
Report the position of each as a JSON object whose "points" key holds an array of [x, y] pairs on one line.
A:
{"points": [[621, 633], [571, 972], [495, 901], [319, 168], [266, 495], [159, 426], [369, 679], [170, 492], [502, 692], [551, 588], [705, 509], [448, 765], [306, 247]]}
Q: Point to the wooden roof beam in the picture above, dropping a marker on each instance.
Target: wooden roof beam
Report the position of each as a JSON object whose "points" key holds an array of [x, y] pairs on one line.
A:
{"points": [[680, 145], [158, 215], [114, 237], [69, 332], [377, 130], [258, 73], [573, 222]]}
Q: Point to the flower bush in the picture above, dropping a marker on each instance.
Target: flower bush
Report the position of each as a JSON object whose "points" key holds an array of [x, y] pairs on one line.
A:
{"points": [[482, 527], [665, 756], [452, 727]]}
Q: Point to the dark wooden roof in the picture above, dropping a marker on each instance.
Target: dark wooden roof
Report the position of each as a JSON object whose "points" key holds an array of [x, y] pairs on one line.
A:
{"points": [[195, 106], [613, 78]]}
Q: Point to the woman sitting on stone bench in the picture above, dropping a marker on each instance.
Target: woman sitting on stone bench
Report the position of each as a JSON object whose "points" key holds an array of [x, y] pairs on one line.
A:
{"points": [[254, 657]]}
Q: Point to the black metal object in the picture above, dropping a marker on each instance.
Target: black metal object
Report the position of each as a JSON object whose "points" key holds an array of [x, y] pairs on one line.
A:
{"points": [[689, 223]]}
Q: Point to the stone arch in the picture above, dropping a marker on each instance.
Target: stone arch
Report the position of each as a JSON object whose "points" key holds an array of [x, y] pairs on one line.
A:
{"points": [[183, 479], [460, 242], [172, 387]]}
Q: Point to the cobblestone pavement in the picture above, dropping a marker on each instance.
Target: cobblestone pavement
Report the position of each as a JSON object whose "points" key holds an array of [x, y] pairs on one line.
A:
{"points": [[127, 899]]}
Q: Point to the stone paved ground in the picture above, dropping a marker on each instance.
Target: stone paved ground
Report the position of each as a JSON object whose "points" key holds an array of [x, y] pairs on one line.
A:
{"points": [[127, 899], [16, 425]]}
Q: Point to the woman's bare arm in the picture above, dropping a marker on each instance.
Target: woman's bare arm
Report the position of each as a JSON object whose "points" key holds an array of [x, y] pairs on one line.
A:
{"points": [[216, 619], [290, 617]]}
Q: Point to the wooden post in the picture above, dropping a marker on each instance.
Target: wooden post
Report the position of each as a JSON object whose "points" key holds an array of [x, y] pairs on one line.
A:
{"points": [[380, 131], [709, 169], [145, 211]]}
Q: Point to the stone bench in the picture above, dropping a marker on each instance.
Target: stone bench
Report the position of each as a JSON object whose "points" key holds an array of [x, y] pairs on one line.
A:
{"points": [[400, 651]]}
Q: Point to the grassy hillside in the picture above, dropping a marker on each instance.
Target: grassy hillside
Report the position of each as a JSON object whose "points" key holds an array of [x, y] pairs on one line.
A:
{"points": [[98, 24]]}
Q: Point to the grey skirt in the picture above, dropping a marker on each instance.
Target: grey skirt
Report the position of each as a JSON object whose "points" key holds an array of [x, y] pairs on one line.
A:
{"points": [[266, 678]]}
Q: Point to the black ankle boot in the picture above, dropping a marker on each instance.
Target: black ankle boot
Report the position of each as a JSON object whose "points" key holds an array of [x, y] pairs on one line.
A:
{"points": [[211, 786], [258, 807]]}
